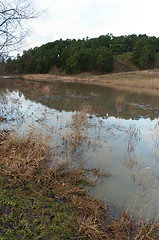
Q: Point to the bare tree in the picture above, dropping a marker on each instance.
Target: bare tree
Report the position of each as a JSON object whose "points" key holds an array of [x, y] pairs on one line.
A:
{"points": [[13, 17]]}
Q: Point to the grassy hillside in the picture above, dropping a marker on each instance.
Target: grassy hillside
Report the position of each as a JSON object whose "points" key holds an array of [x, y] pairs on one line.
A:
{"points": [[123, 62], [125, 59]]}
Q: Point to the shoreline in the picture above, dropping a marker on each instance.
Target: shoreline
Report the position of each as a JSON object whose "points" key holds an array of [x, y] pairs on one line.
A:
{"points": [[37, 186], [42, 203], [142, 81]]}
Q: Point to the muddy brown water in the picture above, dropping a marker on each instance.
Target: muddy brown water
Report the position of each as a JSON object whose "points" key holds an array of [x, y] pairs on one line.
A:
{"points": [[123, 130]]}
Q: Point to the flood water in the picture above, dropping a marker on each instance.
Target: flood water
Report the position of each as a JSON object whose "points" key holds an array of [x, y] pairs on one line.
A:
{"points": [[123, 133]]}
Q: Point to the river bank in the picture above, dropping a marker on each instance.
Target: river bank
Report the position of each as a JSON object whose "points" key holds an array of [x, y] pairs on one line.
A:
{"points": [[42, 203], [38, 202], [147, 80]]}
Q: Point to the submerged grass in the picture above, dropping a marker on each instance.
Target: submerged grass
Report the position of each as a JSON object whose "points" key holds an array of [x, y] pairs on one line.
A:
{"points": [[77, 138], [120, 100], [39, 202], [133, 137]]}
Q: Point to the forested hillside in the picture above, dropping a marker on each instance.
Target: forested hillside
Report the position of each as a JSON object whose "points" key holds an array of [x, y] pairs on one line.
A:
{"points": [[99, 55]]}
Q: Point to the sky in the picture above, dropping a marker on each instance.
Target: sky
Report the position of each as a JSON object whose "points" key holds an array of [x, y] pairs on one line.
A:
{"points": [[69, 19]]}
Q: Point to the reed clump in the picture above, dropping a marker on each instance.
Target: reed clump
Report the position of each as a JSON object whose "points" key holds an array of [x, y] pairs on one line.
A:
{"points": [[120, 100], [77, 140], [132, 106], [22, 156], [126, 227], [79, 128]]}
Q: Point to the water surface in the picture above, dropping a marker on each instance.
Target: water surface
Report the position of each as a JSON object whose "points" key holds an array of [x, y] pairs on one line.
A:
{"points": [[123, 129]]}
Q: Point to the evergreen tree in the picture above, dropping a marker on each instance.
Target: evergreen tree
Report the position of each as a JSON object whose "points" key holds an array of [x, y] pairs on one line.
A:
{"points": [[96, 54], [147, 57], [104, 60]]}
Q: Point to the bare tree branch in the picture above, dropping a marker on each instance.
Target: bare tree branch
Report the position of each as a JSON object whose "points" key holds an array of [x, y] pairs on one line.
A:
{"points": [[13, 16]]}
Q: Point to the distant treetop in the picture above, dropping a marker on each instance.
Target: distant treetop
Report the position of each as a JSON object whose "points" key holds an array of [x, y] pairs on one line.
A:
{"points": [[94, 54]]}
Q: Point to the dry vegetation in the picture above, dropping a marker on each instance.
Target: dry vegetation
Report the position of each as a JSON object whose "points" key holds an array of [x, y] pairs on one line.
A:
{"points": [[24, 156], [143, 80], [77, 139], [120, 100], [26, 160], [133, 137], [59, 208]]}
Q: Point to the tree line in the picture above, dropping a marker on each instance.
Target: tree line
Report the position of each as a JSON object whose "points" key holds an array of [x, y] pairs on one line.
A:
{"points": [[95, 54]]}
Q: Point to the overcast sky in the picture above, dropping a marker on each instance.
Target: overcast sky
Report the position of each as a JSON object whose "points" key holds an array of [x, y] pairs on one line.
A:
{"points": [[81, 18]]}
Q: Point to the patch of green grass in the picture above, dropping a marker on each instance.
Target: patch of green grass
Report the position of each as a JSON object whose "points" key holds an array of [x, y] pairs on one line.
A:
{"points": [[126, 59], [27, 212]]}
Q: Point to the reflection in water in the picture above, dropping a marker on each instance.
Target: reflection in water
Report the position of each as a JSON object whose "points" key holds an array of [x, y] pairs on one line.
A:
{"points": [[126, 139], [131, 161], [133, 137]]}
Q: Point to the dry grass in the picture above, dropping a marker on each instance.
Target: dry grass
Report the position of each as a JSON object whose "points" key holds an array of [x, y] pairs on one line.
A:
{"points": [[143, 80], [132, 106], [77, 140], [148, 230], [78, 135], [127, 228], [120, 100], [27, 159], [122, 228], [24, 156]]}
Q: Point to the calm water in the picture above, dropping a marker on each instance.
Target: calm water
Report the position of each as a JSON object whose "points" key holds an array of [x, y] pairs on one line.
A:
{"points": [[123, 129]]}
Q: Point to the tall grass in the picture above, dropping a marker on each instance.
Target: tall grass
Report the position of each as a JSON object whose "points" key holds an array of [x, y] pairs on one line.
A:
{"points": [[22, 156], [78, 135]]}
